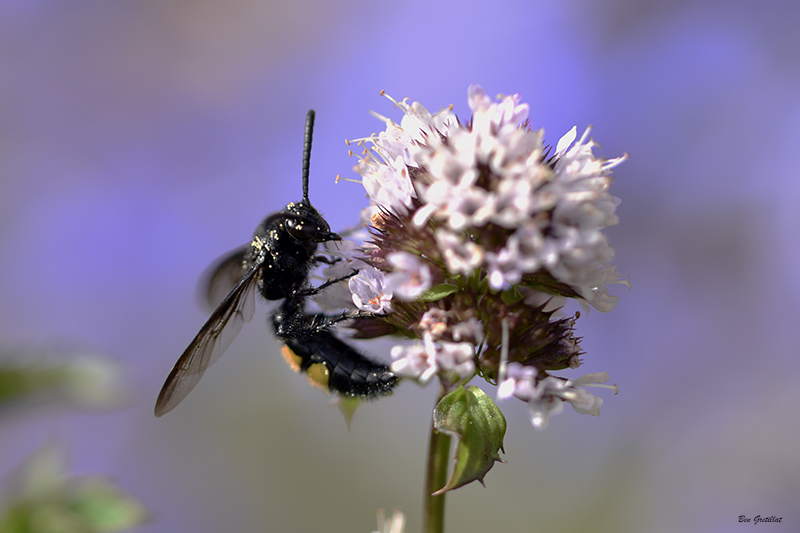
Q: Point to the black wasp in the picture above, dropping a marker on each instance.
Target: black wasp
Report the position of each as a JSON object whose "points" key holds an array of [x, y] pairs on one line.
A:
{"points": [[277, 263]]}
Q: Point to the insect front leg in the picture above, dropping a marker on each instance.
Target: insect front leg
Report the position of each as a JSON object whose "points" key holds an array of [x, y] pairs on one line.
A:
{"points": [[327, 260], [312, 291]]}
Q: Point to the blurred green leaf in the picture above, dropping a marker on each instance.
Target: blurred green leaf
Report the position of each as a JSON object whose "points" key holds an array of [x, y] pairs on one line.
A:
{"points": [[17, 382], [104, 507], [438, 292], [41, 473], [40, 498], [83, 380]]}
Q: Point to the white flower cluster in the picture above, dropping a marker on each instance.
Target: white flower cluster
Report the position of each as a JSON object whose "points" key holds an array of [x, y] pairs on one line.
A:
{"points": [[547, 397], [494, 176], [422, 361]]}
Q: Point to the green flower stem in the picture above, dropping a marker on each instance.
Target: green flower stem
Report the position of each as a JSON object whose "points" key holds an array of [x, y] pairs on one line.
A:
{"points": [[435, 477]]}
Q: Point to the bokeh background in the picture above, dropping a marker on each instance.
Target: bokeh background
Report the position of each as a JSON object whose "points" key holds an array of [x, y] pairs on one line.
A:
{"points": [[139, 140]]}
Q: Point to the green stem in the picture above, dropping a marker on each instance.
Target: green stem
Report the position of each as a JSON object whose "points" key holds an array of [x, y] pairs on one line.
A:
{"points": [[435, 477]]}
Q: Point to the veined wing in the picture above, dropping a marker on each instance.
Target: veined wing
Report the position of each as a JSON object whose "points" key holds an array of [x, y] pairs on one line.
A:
{"points": [[210, 343], [221, 277]]}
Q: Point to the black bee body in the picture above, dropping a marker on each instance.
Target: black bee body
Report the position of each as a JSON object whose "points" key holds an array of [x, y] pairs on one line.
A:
{"points": [[277, 263], [333, 365], [328, 362], [284, 246]]}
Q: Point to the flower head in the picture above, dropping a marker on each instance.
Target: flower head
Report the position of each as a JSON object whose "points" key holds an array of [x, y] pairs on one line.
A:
{"points": [[493, 176], [478, 226]]}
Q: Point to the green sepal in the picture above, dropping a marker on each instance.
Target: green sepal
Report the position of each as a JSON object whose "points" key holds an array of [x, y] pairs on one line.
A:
{"points": [[543, 281], [482, 285], [511, 296], [438, 292], [347, 406], [473, 418]]}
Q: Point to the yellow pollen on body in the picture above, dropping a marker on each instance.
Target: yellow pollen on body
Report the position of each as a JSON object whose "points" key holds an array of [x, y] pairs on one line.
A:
{"points": [[257, 243], [292, 359], [318, 376]]}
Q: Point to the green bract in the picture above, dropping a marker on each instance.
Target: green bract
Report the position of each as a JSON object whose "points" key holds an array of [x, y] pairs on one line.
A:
{"points": [[471, 416]]}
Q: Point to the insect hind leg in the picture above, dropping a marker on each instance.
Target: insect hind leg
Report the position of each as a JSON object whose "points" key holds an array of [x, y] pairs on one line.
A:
{"points": [[302, 325], [292, 321]]}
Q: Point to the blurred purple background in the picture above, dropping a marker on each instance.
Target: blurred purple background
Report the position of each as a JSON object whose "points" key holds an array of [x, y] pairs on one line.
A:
{"points": [[139, 140]]}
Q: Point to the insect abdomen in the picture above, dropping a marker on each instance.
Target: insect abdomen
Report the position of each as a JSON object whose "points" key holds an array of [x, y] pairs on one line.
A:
{"points": [[333, 365]]}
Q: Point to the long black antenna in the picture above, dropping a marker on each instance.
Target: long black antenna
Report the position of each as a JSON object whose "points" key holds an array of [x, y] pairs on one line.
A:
{"points": [[307, 135]]}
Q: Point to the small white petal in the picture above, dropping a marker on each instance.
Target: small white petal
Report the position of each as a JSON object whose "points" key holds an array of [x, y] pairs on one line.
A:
{"points": [[370, 292], [541, 410], [566, 140], [586, 403], [506, 389], [411, 277], [597, 377]]}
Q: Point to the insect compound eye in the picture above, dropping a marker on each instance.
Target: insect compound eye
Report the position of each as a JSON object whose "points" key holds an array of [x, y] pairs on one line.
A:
{"points": [[307, 230]]}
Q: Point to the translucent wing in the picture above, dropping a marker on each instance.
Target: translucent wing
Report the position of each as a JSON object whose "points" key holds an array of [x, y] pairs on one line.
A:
{"points": [[210, 343], [221, 277]]}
